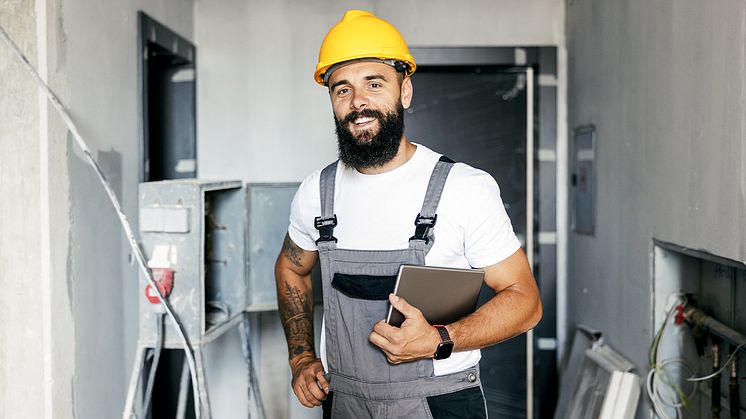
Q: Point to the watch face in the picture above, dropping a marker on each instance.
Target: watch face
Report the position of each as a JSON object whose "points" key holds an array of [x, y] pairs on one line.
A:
{"points": [[444, 350]]}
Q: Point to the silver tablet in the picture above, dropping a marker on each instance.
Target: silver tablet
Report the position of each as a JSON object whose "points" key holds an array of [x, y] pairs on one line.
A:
{"points": [[443, 295]]}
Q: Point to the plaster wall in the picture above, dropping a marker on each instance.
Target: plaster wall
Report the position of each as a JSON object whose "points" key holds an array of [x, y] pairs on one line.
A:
{"points": [[261, 118], [663, 82]]}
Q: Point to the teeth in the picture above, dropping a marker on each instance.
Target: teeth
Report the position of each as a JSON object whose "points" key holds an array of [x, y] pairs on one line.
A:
{"points": [[363, 120]]}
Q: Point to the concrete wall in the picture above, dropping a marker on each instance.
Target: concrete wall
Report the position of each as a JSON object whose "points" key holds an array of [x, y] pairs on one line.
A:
{"points": [[36, 347], [20, 248], [69, 302], [261, 118], [664, 84]]}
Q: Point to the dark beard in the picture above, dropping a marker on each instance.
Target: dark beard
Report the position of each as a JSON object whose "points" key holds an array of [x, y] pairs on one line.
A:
{"points": [[369, 150]]}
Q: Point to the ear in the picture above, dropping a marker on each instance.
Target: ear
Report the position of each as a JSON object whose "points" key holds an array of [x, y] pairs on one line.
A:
{"points": [[406, 92]]}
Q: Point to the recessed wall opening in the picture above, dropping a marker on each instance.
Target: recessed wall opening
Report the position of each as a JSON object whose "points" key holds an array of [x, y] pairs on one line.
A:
{"points": [[168, 83], [701, 300]]}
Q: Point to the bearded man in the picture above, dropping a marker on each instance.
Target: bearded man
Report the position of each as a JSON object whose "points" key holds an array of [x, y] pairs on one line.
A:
{"points": [[355, 218]]}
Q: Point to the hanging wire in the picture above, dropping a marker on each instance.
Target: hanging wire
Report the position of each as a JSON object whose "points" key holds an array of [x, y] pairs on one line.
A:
{"points": [[725, 365], [658, 372]]}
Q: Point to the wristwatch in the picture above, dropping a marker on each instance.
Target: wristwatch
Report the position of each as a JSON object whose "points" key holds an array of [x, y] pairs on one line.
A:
{"points": [[445, 347]]}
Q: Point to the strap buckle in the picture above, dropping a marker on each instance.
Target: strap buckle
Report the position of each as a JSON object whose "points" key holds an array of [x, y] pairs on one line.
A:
{"points": [[423, 226], [326, 228]]}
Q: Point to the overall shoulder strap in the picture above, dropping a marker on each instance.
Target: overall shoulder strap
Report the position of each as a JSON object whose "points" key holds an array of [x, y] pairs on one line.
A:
{"points": [[327, 221], [425, 220]]}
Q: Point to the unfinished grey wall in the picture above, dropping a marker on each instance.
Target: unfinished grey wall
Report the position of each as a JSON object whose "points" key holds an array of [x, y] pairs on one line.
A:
{"points": [[261, 118], [100, 59], [663, 82]]}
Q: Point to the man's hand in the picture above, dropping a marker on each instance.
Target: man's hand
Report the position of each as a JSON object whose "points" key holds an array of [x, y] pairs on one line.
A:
{"points": [[416, 339], [309, 384]]}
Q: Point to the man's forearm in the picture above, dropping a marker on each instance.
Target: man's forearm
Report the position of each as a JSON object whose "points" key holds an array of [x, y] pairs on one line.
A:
{"points": [[295, 303], [509, 313]]}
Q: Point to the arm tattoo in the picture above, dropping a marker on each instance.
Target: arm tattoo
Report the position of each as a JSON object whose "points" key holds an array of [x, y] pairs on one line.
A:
{"points": [[292, 251], [296, 312]]}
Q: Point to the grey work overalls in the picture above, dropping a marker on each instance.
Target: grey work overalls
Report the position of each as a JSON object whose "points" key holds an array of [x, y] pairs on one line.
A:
{"points": [[356, 285]]}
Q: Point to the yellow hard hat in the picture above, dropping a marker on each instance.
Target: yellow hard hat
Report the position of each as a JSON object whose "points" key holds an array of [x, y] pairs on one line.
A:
{"points": [[362, 35]]}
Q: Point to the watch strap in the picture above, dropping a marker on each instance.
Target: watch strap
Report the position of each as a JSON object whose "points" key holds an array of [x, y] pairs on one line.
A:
{"points": [[444, 336]]}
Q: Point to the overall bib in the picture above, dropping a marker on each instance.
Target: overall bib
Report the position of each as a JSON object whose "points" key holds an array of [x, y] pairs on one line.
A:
{"points": [[356, 285]]}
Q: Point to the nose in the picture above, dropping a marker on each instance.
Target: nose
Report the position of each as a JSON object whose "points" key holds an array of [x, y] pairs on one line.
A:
{"points": [[359, 100]]}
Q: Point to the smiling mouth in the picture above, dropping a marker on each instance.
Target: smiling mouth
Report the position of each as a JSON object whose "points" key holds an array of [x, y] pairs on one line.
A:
{"points": [[363, 120]]}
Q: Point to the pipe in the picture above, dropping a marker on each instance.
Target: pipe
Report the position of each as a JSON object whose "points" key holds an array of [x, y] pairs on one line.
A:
{"points": [[735, 403], [699, 318], [715, 396]]}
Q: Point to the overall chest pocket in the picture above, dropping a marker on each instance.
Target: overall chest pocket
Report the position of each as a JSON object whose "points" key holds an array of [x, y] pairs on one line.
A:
{"points": [[364, 287]]}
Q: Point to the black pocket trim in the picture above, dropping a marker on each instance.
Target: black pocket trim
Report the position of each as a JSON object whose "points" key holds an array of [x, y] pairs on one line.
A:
{"points": [[463, 404], [364, 287]]}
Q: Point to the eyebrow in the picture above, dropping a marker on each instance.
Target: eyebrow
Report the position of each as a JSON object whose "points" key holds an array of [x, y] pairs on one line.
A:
{"points": [[376, 76], [339, 83], [367, 78]]}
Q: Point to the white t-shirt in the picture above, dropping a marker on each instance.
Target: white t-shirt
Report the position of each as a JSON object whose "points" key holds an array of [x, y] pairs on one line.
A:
{"points": [[377, 212]]}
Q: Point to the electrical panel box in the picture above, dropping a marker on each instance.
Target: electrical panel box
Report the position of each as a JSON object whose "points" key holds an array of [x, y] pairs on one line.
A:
{"points": [[583, 180], [197, 228]]}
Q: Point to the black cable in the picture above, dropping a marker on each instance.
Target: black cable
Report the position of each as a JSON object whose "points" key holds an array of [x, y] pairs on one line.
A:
{"points": [[153, 365], [254, 392]]}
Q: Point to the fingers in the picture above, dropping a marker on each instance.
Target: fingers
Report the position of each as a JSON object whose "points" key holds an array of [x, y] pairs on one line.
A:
{"points": [[386, 330], [309, 384], [308, 392], [323, 382], [404, 308]]}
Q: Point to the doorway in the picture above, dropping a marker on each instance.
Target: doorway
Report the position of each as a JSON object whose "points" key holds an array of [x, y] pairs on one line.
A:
{"points": [[480, 106], [168, 103]]}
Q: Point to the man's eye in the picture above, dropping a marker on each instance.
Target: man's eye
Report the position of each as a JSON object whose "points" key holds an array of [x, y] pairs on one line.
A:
{"points": [[376, 85], [342, 90]]}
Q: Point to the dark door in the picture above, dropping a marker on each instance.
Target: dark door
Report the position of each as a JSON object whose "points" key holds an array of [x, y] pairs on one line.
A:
{"points": [[478, 115]]}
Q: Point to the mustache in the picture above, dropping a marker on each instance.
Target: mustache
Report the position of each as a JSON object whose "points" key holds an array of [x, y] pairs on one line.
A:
{"points": [[365, 113]]}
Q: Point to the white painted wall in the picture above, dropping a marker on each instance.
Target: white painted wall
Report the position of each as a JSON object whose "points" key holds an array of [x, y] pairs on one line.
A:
{"points": [[664, 84], [261, 118]]}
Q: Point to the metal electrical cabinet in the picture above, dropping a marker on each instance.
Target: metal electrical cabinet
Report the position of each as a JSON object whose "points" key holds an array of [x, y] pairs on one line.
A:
{"points": [[268, 214], [197, 228], [214, 244]]}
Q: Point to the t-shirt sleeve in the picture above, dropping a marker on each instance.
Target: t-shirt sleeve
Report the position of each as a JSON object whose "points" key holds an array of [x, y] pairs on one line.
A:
{"points": [[302, 210], [488, 234]]}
